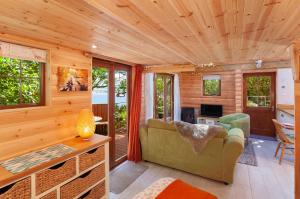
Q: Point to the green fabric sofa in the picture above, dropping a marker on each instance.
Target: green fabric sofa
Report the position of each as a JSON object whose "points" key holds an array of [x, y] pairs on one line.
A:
{"points": [[237, 120], [162, 144]]}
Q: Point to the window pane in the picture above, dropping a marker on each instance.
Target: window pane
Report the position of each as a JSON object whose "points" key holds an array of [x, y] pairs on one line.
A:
{"points": [[100, 92], [211, 87], [9, 91], [20, 82], [30, 69], [30, 91], [169, 98], [9, 67], [100, 86], [121, 108], [164, 97], [160, 97], [258, 91]]}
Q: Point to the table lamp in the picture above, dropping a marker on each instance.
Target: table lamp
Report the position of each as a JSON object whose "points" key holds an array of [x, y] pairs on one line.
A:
{"points": [[85, 125]]}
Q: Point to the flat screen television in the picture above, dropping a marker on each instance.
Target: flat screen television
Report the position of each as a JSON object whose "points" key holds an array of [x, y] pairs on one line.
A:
{"points": [[209, 110]]}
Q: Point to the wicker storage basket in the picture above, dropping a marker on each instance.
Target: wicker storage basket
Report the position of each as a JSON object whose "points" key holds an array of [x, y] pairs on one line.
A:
{"points": [[83, 182], [18, 190], [51, 195], [96, 192], [90, 158], [55, 175]]}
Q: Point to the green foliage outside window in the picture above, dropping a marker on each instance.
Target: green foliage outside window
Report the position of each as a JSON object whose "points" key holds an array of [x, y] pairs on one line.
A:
{"points": [[100, 78], [258, 91], [121, 89], [164, 99], [120, 116], [160, 97], [20, 82], [212, 87]]}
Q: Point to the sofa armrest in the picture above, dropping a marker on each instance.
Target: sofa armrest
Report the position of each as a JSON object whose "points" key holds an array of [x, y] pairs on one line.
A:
{"points": [[242, 123], [226, 119], [233, 148], [144, 141]]}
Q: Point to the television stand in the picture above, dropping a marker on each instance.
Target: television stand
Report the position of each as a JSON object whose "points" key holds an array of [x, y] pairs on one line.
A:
{"points": [[207, 120]]}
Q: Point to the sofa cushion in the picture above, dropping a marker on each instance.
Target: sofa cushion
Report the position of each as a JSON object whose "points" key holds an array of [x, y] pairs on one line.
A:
{"points": [[160, 124], [222, 134]]}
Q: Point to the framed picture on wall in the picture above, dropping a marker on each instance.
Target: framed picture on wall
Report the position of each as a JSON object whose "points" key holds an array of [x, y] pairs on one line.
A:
{"points": [[72, 79]]}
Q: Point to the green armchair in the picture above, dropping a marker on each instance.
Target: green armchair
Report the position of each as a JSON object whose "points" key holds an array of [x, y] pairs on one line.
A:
{"points": [[236, 120]]}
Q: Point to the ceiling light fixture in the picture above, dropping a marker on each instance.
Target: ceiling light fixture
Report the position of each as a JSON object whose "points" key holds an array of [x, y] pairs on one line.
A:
{"points": [[94, 46], [258, 63], [207, 65]]}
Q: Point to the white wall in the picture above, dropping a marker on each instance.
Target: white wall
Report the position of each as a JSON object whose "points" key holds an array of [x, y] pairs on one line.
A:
{"points": [[148, 95], [177, 108], [285, 86]]}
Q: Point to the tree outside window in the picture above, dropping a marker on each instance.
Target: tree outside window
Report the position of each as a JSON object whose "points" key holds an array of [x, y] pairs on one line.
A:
{"points": [[163, 96], [211, 85], [21, 83]]}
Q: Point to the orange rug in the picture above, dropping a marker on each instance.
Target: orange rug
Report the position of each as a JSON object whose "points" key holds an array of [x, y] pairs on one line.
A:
{"points": [[181, 190]]}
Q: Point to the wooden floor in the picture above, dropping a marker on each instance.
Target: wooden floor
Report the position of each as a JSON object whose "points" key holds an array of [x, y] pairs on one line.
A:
{"points": [[268, 180], [121, 144]]}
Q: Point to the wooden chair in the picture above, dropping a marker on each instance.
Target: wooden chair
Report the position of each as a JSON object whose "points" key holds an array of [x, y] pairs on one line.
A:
{"points": [[284, 139]]}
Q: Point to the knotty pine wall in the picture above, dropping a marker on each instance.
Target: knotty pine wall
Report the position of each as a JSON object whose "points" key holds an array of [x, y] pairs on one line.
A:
{"points": [[191, 91], [295, 57], [26, 129]]}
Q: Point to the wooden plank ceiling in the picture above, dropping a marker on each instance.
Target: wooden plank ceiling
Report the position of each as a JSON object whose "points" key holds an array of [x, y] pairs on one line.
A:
{"points": [[154, 32]]}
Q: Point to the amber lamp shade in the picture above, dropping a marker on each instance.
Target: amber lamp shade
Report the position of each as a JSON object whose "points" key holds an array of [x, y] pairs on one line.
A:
{"points": [[85, 125]]}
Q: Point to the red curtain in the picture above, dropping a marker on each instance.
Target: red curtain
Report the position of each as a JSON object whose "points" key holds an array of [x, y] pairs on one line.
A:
{"points": [[134, 147]]}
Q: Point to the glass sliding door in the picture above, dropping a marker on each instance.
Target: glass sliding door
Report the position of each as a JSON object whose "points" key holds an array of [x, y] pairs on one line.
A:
{"points": [[111, 97], [121, 113], [100, 94]]}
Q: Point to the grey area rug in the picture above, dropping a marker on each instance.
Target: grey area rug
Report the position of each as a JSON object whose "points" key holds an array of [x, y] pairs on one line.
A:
{"points": [[261, 137], [248, 156], [125, 174]]}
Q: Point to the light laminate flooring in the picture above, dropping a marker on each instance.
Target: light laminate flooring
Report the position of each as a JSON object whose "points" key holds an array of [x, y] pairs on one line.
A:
{"points": [[267, 180]]}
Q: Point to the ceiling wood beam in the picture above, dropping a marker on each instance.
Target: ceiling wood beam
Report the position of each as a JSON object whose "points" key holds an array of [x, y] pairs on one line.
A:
{"points": [[177, 68], [93, 55]]}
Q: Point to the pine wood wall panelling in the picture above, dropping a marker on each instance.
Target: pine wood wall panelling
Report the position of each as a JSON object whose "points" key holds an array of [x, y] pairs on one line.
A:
{"points": [[31, 128], [17, 131], [191, 91], [295, 56], [238, 91]]}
